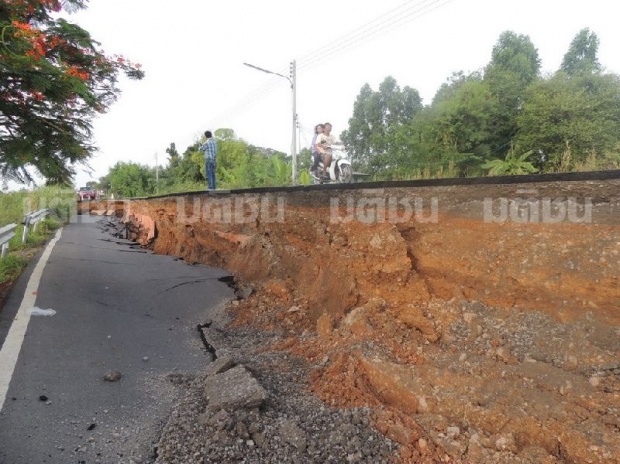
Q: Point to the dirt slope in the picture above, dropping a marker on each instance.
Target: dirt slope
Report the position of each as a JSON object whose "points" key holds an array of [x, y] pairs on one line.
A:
{"points": [[482, 322]]}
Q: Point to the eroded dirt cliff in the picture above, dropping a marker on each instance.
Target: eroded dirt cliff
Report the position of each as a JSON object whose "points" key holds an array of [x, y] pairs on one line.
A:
{"points": [[482, 322]]}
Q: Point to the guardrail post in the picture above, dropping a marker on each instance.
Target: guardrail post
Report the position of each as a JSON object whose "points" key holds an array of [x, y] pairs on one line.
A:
{"points": [[33, 218], [6, 234], [25, 231]]}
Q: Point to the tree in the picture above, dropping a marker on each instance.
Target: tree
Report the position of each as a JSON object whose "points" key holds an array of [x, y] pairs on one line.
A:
{"points": [[514, 65], [173, 156], [376, 117], [131, 179], [572, 119], [581, 56], [54, 79]]}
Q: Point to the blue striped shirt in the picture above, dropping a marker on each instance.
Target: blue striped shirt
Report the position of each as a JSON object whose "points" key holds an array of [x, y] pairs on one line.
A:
{"points": [[210, 150]]}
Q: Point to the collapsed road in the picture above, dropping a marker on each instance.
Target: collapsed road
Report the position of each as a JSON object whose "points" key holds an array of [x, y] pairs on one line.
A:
{"points": [[478, 320], [99, 364], [416, 322]]}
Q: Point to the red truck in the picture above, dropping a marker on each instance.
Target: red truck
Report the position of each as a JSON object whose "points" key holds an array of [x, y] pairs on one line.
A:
{"points": [[86, 193]]}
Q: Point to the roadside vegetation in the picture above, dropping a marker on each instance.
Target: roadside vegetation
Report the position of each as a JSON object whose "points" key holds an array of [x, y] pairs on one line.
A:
{"points": [[13, 207]]}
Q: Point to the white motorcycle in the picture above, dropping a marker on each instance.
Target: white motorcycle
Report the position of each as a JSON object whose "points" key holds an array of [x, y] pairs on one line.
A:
{"points": [[340, 170]]}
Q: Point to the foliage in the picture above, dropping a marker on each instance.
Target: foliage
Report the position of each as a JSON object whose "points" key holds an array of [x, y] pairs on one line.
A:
{"points": [[581, 57], [131, 180], [569, 119], [54, 79], [566, 121], [15, 205], [376, 122], [512, 164], [11, 266], [514, 66]]}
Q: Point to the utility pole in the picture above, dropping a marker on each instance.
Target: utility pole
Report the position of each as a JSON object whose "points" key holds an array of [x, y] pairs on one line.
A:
{"points": [[294, 142], [293, 81]]}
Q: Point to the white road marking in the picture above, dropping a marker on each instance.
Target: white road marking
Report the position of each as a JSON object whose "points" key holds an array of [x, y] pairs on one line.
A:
{"points": [[13, 343]]}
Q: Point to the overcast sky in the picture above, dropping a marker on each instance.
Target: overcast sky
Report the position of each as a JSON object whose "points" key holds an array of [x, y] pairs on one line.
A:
{"points": [[193, 53]]}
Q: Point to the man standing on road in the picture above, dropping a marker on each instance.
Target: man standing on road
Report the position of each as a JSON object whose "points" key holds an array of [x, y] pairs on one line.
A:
{"points": [[210, 150]]}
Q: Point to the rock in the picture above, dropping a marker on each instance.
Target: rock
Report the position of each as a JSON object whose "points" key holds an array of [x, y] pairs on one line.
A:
{"points": [[506, 443], [215, 338], [413, 317], [293, 434], [234, 389], [246, 292], [259, 439], [324, 326], [112, 376], [453, 432], [422, 446], [503, 354], [43, 398], [220, 365]]}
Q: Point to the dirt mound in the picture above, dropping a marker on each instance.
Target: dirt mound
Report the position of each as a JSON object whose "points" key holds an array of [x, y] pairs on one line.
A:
{"points": [[475, 337]]}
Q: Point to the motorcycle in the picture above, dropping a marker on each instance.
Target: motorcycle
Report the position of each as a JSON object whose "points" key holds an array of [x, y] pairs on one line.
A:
{"points": [[340, 170]]}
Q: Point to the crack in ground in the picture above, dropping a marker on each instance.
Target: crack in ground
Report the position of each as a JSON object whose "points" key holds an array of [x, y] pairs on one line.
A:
{"points": [[205, 342]]}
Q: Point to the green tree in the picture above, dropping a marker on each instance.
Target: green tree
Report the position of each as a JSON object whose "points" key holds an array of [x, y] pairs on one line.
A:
{"points": [[572, 121], [376, 117], [54, 79], [131, 180], [173, 156], [514, 65], [581, 56]]}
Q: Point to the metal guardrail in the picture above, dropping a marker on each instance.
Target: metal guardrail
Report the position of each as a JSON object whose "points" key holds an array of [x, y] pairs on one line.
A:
{"points": [[6, 234], [32, 219]]}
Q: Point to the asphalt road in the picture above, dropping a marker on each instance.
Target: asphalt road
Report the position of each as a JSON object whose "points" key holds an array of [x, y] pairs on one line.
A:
{"points": [[118, 308]]}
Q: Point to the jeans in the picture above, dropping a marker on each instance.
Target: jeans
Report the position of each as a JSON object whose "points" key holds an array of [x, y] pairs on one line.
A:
{"points": [[210, 175]]}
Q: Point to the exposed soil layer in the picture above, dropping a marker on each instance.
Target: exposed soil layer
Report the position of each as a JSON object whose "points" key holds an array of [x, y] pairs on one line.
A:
{"points": [[482, 323]]}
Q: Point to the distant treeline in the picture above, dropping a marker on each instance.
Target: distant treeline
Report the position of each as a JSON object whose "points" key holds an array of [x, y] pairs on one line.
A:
{"points": [[504, 119], [507, 118]]}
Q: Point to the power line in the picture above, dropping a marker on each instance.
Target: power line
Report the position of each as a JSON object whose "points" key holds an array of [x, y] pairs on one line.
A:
{"points": [[390, 20], [396, 17]]}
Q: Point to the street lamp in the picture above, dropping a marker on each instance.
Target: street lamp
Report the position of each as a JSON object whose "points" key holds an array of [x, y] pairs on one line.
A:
{"points": [[292, 80]]}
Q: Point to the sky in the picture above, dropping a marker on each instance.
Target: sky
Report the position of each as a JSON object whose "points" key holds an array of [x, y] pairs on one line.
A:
{"points": [[193, 53]]}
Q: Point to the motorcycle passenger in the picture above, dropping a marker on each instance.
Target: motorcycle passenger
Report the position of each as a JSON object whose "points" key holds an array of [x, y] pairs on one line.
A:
{"points": [[318, 129], [324, 144]]}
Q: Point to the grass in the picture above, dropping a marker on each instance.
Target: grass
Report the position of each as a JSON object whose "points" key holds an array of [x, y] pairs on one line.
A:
{"points": [[13, 207]]}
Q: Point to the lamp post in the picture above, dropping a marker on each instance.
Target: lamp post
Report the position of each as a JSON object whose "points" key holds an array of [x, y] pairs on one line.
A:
{"points": [[293, 81]]}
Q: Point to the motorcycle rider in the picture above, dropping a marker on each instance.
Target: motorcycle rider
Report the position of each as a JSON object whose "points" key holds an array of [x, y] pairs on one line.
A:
{"points": [[324, 144], [318, 129]]}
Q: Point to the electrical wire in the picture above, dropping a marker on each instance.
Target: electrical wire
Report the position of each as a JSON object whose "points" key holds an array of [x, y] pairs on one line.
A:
{"points": [[389, 21], [396, 17]]}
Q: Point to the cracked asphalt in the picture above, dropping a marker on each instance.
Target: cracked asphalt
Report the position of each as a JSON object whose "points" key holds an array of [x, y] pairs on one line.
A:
{"points": [[118, 309]]}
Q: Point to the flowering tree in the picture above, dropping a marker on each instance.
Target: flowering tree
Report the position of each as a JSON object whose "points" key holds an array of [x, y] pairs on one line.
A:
{"points": [[54, 79]]}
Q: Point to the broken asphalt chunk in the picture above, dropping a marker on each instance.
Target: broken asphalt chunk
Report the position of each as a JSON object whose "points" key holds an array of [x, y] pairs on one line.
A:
{"points": [[234, 389]]}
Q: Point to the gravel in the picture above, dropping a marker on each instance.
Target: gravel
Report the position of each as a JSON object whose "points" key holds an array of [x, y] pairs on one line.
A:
{"points": [[291, 425]]}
